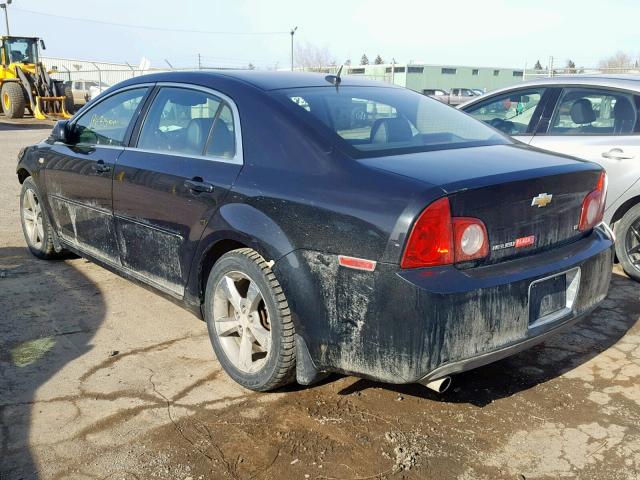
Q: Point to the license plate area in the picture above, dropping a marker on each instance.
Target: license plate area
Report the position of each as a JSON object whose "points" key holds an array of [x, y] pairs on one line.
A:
{"points": [[552, 298]]}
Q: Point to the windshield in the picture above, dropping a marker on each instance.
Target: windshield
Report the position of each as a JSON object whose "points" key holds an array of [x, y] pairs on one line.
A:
{"points": [[22, 50], [374, 121]]}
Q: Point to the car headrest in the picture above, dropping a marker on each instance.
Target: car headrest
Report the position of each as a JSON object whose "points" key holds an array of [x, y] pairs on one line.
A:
{"points": [[388, 130], [197, 132], [582, 112], [624, 116]]}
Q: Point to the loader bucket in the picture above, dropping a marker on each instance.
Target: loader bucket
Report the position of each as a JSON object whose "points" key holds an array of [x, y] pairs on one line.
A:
{"points": [[54, 108]]}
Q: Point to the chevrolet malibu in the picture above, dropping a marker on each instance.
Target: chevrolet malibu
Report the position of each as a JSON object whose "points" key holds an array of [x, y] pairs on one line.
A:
{"points": [[323, 224]]}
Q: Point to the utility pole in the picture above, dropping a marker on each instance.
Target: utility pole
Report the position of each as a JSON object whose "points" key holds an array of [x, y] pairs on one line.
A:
{"points": [[3, 6], [199, 62], [293, 31], [551, 66]]}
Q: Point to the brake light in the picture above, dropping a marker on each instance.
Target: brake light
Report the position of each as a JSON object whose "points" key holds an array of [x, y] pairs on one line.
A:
{"points": [[438, 239], [593, 205]]}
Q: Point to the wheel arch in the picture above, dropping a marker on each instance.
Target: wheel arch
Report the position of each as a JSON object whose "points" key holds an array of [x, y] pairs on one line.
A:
{"points": [[234, 226], [624, 208], [23, 174]]}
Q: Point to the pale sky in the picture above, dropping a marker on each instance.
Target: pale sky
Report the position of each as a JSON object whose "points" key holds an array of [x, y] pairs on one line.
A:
{"points": [[497, 33]]}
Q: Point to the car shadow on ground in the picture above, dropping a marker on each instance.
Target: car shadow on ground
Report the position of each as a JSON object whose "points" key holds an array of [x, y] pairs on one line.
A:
{"points": [[49, 312], [566, 351], [24, 124]]}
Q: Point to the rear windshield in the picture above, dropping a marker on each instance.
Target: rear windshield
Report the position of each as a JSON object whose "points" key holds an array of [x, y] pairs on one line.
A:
{"points": [[375, 121]]}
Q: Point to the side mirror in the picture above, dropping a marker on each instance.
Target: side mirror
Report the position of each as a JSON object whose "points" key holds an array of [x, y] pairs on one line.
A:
{"points": [[42, 45], [61, 132]]}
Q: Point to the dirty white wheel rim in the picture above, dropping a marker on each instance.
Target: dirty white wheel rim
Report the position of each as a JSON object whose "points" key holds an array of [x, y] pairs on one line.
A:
{"points": [[32, 216], [242, 322]]}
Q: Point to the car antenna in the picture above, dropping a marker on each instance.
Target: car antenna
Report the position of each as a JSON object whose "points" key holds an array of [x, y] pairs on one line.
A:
{"points": [[335, 79]]}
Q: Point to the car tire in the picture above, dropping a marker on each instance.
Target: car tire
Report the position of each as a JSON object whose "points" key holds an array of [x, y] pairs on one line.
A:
{"points": [[69, 104], [627, 231], [35, 223], [249, 321], [13, 101]]}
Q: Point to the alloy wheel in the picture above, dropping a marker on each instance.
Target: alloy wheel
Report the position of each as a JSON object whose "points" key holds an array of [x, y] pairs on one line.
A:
{"points": [[32, 216], [632, 243], [241, 321]]}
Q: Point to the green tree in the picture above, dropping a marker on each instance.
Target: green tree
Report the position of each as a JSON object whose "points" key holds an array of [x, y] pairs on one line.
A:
{"points": [[364, 60], [537, 66], [378, 60], [571, 66]]}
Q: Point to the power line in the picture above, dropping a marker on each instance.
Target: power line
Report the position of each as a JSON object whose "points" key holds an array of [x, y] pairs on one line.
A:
{"points": [[147, 27]]}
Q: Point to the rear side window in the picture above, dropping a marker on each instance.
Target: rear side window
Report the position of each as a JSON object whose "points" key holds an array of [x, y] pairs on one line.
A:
{"points": [[106, 123], [585, 111], [374, 121], [510, 113], [189, 122]]}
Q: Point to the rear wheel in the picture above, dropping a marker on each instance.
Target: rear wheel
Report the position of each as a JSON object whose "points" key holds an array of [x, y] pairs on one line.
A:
{"points": [[628, 242], [249, 321], [13, 101], [35, 224]]}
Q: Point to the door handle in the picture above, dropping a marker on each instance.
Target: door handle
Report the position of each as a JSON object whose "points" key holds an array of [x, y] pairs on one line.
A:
{"points": [[617, 154], [196, 184], [102, 167]]}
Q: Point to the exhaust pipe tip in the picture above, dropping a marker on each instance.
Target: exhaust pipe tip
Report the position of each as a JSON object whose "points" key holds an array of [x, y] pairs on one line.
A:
{"points": [[440, 385]]}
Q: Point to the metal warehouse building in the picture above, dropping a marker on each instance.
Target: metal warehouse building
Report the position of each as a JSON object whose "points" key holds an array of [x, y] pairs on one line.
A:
{"points": [[419, 77]]}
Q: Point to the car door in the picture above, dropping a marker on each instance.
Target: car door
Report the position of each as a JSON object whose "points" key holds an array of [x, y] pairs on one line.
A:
{"points": [[515, 113], [78, 175], [600, 125], [184, 158]]}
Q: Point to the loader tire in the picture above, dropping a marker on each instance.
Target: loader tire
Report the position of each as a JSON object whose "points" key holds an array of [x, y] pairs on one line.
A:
{"points": [[13, 101], [68, 100]]}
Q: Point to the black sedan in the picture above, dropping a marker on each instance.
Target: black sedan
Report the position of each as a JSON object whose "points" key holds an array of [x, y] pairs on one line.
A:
{"points": [[323, 224]]}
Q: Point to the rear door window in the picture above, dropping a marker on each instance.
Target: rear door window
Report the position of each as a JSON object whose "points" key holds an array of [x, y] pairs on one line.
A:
{"points": [[511, 113], [190, 122], [586, 111]]}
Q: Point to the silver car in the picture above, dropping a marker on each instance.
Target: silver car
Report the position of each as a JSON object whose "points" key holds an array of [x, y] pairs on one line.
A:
{"points": [[590, 117]]}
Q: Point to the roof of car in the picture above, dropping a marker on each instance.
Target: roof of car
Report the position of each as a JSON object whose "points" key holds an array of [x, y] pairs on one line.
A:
{"points": [[623, 81], [264, 80]]}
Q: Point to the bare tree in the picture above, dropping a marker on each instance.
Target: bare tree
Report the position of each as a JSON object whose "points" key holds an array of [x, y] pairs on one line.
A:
{"points": [[619, 60], [308, 55], [347, 62]]}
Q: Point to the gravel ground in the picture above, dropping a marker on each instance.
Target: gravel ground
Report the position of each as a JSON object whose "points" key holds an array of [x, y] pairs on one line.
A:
{"points": [[101, 378]]}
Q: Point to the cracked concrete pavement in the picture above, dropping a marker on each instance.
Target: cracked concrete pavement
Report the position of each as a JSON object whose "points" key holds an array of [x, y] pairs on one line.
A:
{"points": [[101, 378]]}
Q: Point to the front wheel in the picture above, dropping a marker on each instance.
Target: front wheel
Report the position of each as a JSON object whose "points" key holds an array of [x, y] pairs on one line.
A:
{"points": [[13, 101], [628, 242], [35, 224], [249, 321]]}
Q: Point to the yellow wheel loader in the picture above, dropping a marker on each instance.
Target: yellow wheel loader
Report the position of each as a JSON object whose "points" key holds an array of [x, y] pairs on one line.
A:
{"points": [[26, 84]]}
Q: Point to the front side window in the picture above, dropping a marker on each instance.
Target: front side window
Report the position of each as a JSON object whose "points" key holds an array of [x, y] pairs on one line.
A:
{"points": [[510, 113], [374, 121], [108, 121], [190, 122], [584, 111]]}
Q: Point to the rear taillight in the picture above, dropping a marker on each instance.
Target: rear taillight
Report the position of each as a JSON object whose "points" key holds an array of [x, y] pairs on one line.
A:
{"points": [[438, 239], [469, 239], [593, 205]]}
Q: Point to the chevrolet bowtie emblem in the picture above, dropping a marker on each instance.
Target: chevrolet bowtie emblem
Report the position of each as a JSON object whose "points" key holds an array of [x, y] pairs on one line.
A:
{"points": [[542, 200]]}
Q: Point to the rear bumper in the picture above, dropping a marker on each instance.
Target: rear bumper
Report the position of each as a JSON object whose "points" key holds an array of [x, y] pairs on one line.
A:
{"points": [[405, 326]]}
